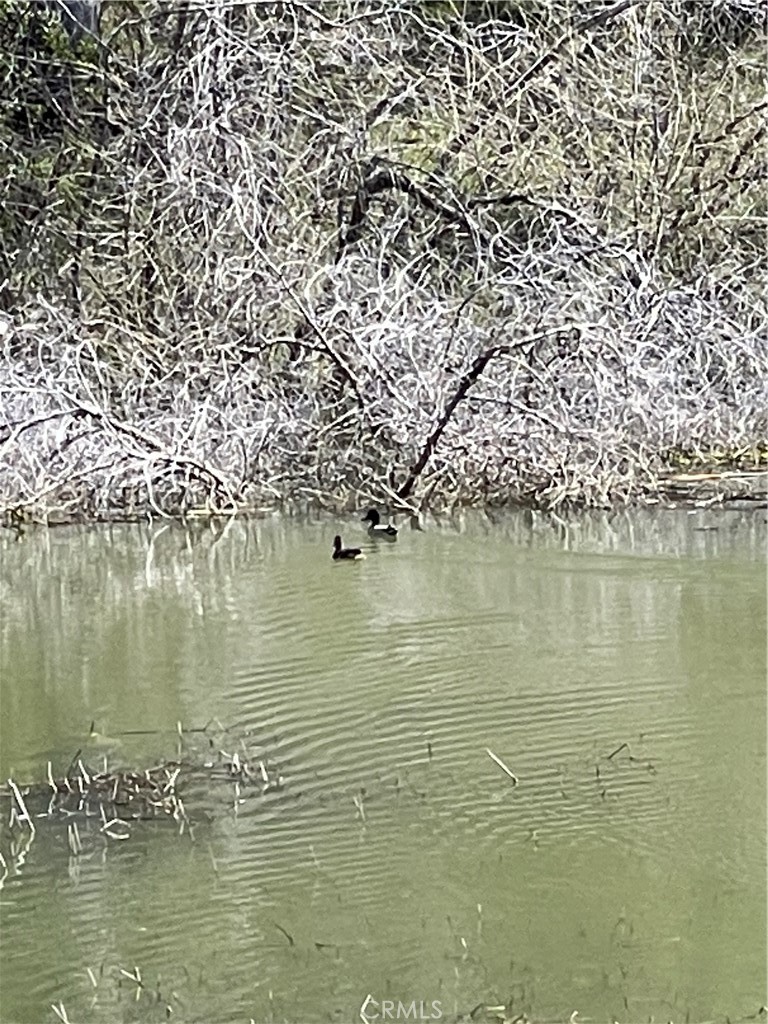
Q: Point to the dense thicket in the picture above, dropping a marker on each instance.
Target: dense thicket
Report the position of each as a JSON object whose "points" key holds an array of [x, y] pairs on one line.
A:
{"points": [[507, 251]]}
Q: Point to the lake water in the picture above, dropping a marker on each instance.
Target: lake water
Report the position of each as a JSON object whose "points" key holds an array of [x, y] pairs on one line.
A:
{"points": [[617, 666]]}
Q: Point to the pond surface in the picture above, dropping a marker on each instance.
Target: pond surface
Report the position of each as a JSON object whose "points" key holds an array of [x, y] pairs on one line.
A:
{"points": [[617, 667]]}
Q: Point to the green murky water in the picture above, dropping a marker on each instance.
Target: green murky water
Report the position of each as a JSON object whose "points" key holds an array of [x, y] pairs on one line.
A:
{"points": [[397, 861]]}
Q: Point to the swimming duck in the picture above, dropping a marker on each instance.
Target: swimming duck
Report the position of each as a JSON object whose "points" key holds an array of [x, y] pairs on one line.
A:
{"points": [[377, 528], [351, 554]]}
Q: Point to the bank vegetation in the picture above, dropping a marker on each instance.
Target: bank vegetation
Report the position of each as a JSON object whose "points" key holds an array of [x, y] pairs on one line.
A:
{"points": [[415, 253]]}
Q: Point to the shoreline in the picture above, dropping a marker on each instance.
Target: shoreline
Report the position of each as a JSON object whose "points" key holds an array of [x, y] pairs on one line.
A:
{"points": [[729, 490]]}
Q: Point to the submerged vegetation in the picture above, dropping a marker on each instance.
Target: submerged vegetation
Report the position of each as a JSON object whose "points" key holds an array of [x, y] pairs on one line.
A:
{"points": [[417, 253], [102, 804]]}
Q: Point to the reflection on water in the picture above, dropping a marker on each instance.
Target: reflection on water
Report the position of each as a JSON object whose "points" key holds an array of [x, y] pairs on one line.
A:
{"points": [[616, 665]]}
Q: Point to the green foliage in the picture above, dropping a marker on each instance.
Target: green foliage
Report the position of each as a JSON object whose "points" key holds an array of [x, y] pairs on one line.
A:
{"points": [[48, 123]]}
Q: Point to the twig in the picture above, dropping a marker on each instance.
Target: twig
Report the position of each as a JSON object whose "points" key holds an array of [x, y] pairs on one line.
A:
{"points": [[500, 763]]}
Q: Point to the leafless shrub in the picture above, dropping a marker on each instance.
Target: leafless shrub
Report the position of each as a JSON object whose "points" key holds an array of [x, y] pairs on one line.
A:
{"points": [[399, 251]]}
